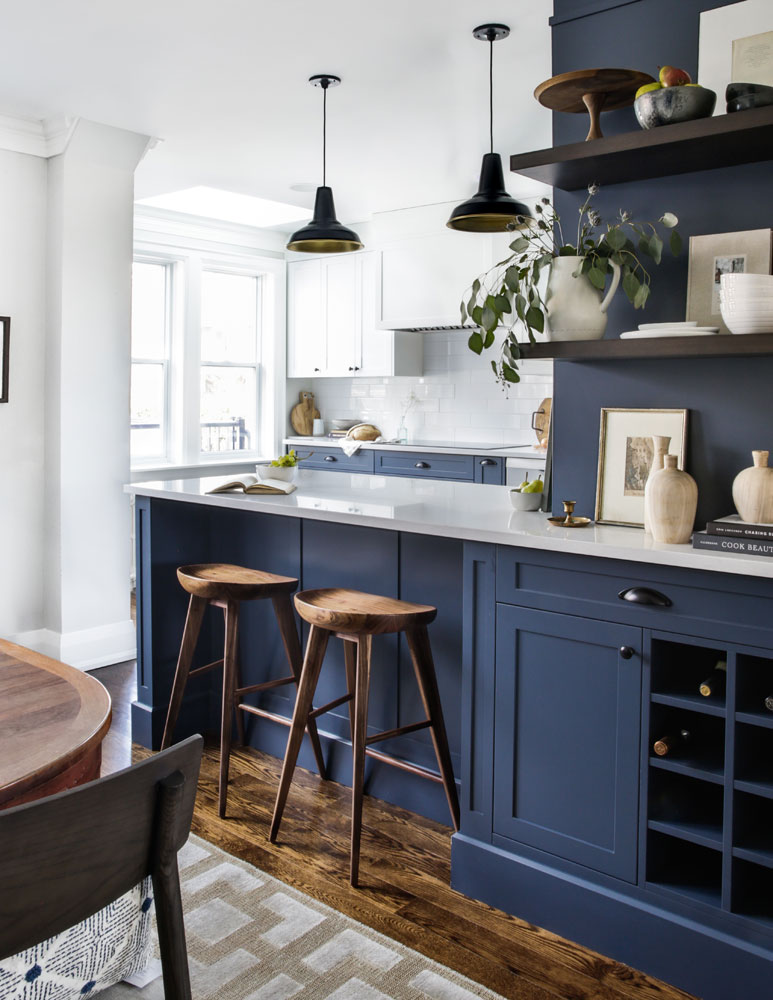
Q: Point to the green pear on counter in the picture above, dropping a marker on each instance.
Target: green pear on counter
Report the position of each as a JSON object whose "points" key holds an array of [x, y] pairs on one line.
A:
{"points": [[535, 486]]}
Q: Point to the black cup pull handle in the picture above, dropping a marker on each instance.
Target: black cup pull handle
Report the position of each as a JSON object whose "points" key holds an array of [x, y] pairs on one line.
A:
{"points": [[487, 461], [626, 652], [330, 458], [645, 595], [422, 465]]}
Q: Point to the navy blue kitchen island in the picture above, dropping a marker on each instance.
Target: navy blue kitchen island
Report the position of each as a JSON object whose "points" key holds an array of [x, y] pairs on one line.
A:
{"points": [[561, 657]]}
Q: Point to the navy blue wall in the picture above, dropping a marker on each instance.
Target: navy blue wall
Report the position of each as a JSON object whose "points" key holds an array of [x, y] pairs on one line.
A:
{"points": [[730, 411]]}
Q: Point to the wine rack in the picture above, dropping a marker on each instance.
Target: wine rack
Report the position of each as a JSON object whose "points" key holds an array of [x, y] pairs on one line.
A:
{"points": [[708, 801]]}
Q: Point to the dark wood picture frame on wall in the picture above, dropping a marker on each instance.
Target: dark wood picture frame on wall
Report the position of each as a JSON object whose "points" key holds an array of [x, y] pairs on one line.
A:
{"points": [[5, 342]]}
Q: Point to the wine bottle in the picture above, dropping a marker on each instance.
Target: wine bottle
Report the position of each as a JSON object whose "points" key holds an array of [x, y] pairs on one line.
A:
{"points": [[715, 682], [769, 703], [670, 741]]}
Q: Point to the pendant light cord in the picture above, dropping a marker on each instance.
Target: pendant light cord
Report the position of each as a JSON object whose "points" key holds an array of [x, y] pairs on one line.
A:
{"points": [[491, 92], [324, 133]]}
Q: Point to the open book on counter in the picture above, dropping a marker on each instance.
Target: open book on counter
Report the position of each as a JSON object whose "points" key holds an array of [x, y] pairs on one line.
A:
{"points": [[253, 486]]}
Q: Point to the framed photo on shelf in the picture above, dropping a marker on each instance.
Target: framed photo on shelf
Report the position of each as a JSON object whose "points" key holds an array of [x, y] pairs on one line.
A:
{"points": [[712, 256], [625, 458], [5, 340]]}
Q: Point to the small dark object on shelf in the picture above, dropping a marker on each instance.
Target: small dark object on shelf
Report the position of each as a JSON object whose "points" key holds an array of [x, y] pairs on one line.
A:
{"points": [[745, 96], [666, 744], [673, 105]]}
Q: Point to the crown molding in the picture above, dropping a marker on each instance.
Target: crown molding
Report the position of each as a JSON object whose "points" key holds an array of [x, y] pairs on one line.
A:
{"points": [[35, 136]]}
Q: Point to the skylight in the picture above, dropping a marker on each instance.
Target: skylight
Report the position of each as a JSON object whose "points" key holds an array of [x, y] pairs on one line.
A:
{"points": [[214, 203]]}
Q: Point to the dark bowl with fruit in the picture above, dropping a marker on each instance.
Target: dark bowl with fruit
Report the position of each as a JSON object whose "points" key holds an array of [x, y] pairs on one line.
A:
{"points": [[673, 98]]}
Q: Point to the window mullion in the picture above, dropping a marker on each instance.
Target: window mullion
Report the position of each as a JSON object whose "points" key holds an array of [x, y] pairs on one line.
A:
{"points": [[191, 364]]}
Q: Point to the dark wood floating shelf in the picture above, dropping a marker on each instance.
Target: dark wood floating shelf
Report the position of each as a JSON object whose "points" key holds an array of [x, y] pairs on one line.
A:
{"points": [[723, 141], [720, 346]]}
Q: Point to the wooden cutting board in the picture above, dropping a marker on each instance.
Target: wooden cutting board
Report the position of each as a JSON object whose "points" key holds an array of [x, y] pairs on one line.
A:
{"points": [[541, 420], [303, 413]]}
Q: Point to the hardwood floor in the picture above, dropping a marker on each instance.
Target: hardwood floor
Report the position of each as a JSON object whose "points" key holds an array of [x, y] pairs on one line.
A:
{"points": [[404, 874]]}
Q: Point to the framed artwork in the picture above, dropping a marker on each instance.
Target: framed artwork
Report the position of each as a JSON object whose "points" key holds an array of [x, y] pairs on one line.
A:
{"points": [[625, 458], [753, 59], [5, 340], [714, 255]]}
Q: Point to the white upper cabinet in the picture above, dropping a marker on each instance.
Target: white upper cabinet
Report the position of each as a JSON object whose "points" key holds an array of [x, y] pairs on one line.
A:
{"points": [[332, 327], [306, 340], [424, 278]]}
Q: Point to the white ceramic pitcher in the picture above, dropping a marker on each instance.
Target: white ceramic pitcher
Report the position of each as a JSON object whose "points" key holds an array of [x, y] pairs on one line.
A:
{"points": [[575, 309]]}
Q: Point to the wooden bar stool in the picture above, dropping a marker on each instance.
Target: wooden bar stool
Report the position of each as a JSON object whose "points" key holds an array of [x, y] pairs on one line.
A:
{"points": [[356, 617], [226, 586]]}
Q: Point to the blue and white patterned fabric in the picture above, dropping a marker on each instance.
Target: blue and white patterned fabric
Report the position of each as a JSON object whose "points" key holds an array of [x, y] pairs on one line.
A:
{"points": [[87, 958]]}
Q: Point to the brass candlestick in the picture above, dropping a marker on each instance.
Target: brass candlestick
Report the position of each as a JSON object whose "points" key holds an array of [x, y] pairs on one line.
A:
{"points": [[569, 520]]}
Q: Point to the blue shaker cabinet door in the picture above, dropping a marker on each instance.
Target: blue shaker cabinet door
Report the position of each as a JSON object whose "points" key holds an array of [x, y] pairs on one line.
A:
{"points": [[566, 745]]}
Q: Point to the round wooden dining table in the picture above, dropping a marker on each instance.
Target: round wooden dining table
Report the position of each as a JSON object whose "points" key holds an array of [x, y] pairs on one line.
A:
{"points": [[53, 719]]}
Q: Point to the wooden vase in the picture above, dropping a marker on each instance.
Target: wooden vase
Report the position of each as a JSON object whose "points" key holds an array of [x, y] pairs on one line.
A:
{"points": [[673, 501], [660, 445], [753, 491]]}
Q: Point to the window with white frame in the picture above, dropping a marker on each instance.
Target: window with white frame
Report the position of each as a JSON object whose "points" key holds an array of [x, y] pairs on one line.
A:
{"points": [[203, 327]]}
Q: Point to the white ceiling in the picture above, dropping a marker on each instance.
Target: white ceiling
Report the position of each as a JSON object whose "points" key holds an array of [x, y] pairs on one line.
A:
{"points": [[224, 84]]}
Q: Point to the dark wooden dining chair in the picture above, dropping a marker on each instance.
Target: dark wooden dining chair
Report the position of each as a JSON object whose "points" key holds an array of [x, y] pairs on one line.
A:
{"points": [[65, 857]]}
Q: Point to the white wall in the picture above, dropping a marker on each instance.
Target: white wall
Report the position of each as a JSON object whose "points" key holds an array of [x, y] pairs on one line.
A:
{"points": [[22, 297]]}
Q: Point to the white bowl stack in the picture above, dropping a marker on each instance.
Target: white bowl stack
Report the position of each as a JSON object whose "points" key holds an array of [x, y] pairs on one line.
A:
{"points": [[746, 302]]}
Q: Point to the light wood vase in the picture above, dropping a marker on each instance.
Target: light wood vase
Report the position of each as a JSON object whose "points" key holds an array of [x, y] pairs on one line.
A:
{"points": [[673, 501], [753, 491], [660, 445]]}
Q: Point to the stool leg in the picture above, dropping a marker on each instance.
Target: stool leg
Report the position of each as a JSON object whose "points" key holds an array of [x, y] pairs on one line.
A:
{"points": [[286, 620], [350, 659], [196, 607], [362, 687], [315, 652], [424, 668], [237, 711], [231, 613]]}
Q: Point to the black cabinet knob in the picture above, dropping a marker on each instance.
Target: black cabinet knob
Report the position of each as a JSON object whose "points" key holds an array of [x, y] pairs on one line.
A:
{"points": [[645, 595], [422, 465], [330, 458], [316, 369], [487, 461], [626, 652]]}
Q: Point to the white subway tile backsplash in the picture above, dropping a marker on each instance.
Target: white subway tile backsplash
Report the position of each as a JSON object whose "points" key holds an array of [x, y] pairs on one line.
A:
{"points": [[456, 399]]}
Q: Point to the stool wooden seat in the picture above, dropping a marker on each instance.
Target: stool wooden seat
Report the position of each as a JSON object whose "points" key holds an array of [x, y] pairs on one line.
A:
{"points": [[360, 614], [355, 618], [225, 586]]}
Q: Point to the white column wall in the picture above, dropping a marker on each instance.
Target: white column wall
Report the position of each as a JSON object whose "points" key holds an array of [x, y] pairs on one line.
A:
{"points": [[22, 297]]}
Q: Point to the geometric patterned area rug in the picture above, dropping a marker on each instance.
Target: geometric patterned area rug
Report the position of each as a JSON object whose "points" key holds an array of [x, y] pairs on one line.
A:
{"points": [[252, 937]]}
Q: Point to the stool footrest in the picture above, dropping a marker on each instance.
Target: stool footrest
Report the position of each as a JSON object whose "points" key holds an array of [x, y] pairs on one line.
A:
{"points": [[265, 685], [283, 720], [400, 731], [403, 765], [331, 704], [204, 669]]}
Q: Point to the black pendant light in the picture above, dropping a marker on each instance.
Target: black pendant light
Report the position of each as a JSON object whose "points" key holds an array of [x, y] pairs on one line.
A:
{"points": [[491, 210], [324, 234]]}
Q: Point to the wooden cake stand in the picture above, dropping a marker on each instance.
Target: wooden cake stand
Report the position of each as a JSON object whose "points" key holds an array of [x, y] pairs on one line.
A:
{"points": [[591, 90]]}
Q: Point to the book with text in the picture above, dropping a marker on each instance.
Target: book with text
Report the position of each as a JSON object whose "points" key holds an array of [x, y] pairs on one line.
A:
{"points": [[724, 543], [253, 486], [733, 525]]}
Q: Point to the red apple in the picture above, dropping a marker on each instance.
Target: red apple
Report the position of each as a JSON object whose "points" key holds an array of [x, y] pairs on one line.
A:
{"points": [[672, 76]]}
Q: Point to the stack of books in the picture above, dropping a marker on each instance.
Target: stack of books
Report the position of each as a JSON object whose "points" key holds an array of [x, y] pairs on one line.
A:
{"points": [[731, 534]]}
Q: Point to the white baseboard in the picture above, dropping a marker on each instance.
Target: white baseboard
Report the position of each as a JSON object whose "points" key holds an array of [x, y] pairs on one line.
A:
{"points": [[86, 649]]}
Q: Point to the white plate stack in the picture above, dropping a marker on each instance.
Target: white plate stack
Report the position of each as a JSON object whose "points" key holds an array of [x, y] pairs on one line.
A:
{"points": [[746, 302], [690, 328]]}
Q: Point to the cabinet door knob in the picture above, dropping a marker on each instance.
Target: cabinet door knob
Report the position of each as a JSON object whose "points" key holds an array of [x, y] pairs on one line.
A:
{"points": [[487, 461], [330, 458], [422, 465], [645, 595], [626, 652], [352, 368], [316, 369]]}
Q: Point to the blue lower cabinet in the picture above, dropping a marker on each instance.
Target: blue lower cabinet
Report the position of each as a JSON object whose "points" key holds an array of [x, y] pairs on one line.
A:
{"points": [[490, 471], [326, 459], [425, 466], [566, 743]]}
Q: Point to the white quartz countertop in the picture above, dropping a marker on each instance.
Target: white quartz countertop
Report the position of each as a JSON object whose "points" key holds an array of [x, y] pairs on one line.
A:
{"points": [[499, 451], [466, 511]]}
